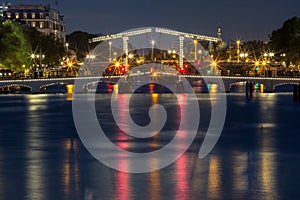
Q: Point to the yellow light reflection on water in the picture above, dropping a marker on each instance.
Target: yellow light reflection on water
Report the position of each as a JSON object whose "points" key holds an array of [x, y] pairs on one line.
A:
{"points": [[154, 98], [70, 90], [115, 89], [214, 88], [214, 179], [155, 186], [70, 168]]}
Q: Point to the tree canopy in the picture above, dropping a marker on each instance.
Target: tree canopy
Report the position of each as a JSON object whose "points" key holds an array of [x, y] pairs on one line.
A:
{"points": [[46, 45], [14, 48], [78, 42], [18, 43], [286, 40]]}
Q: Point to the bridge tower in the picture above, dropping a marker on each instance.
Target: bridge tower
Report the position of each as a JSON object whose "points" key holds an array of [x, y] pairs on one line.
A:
{"points": [[219, 33]]}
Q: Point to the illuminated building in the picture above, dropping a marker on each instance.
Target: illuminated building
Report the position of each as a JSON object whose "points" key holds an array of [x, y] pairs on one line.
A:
{"points": [[45, 19]]}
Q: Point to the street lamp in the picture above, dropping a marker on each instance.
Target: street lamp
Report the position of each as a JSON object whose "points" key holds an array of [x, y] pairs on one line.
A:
{"points": [[67, 47], [37, 63]]}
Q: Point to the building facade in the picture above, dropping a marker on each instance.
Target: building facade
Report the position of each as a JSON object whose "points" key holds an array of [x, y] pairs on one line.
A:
{"points": [[45, 19], [3, 8]]}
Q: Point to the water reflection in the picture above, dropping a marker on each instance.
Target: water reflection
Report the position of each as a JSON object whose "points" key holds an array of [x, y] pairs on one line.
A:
{"points": [[70, 169], [268, 170], [154, 188], [257, 159], [182, 189], [239, 177], [123, 185], [35, 166], [214, 179]]}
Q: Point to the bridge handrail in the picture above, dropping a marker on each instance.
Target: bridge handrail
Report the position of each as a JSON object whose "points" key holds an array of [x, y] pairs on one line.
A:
{"points": [[185, 76]]}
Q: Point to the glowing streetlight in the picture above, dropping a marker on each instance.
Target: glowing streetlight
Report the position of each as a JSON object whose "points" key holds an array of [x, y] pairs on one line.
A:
{"points": [[67, 47], [117, 64]]}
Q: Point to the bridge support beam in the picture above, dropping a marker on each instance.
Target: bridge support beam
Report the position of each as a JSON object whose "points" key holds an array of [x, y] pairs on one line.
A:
{"points": [[181, 38], [125, 49], [268, 87], [227, 88]]}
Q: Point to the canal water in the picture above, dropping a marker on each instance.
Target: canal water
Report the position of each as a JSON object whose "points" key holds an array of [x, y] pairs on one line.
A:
{"points": [[256, 157]]}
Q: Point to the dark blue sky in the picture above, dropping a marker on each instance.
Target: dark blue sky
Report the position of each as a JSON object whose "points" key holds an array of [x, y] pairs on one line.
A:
{"points": [[247, 20]]}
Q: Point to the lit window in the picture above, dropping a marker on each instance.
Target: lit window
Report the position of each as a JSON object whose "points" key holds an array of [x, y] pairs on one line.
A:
{"points": [[17, 15], [41, 15], [33, 24], [33, 15], [25, 15], [42, 24], [8, 15]]}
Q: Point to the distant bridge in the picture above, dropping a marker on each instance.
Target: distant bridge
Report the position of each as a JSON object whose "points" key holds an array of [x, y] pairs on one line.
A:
{"points": [[37, 84]]}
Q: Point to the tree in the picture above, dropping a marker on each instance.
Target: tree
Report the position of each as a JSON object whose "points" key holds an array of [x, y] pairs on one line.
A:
{"points": [[14, 48], [45, 44], [78, 42], [256, 48], [287, 40]]}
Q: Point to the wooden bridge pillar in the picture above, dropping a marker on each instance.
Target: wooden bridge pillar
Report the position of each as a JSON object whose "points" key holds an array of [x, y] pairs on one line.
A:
{"points": [[249, 88]]}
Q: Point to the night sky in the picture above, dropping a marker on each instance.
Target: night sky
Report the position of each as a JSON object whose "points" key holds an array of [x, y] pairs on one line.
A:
{"points": [[246, 20]]}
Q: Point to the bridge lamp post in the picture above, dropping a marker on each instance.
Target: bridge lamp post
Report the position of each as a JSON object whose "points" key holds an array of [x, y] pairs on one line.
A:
{"points": [[238, 43], [67, 47], [37, 63], [195, 49], [283, 55], [244, 56], [109, 43], [264, 64], [152, 54]]}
